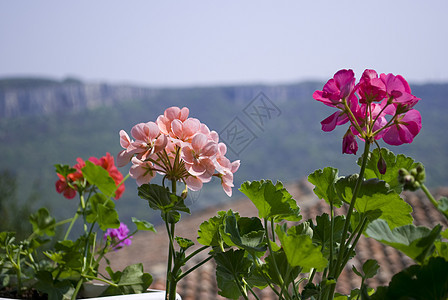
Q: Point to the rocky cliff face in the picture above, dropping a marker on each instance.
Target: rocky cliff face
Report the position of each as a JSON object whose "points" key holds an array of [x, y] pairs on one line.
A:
{"points": [[24, 100], [15, 102]]}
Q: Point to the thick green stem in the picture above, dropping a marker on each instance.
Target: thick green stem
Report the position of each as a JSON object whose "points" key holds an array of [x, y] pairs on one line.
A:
{"points": [[352, 248], [78, 288], [250, 290], [171, 281], [336, 268], [267, 279], [331, 234], [280, 278], [194, 268]]}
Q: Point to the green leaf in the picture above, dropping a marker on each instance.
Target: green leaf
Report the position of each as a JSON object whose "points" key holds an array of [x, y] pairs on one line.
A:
{"points": [[376, 200], [322, 231], [42, 222], [288, 272], [272, 201], [443, 206], [68, 253], [231, 267], [55, 289], [98, 176], [103, 212], [324, 182], [246, 233], [445, 233], [415, 242], [184, 243], [442, 249], [209, 231], [64, 170], [160, 198], [7, 238], [143, 225], [394, 163], [426, 282], [132, 280], [370, 268], [300, 250]]}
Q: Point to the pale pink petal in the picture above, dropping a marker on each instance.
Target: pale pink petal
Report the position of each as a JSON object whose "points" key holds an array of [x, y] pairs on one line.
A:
{"points": [[209, 149], [123, 158], [184, 113], [138, 132], [214, 136], [177, 127], [195, 169], [209, 170], [164, 124], [172, 113], [188, 155], [198, 142], [235, 166], [222, 149], [204, 129], [193, 183], [160, 143], [152, 130], [125, 141], [191, 127]]}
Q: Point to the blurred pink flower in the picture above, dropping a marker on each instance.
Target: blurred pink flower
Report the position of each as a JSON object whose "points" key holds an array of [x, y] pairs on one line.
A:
{"points": [[119, 236]]}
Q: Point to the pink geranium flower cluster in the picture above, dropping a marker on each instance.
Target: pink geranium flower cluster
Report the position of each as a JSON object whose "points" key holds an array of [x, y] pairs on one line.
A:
{"points": [[68, 186], [180, 148], [377, 107]]}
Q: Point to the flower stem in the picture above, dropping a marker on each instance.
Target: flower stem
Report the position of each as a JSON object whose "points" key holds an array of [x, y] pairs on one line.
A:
{"points": [[433, 200], [338, 267]]}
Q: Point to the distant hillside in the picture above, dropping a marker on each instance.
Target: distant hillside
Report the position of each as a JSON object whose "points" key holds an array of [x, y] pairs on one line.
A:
{"points": [[55, 122]]}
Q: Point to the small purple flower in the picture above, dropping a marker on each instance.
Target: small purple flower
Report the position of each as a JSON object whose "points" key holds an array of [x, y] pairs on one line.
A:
{"points": [[118, 236]]}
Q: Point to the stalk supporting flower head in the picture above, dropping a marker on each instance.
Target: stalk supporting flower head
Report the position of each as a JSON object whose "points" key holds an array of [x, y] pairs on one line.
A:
{"points": [[377, 107], [180, 148]]}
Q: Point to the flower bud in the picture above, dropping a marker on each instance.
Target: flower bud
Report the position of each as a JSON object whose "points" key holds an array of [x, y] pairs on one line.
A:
{"points": [[413, 179], [382, 166]]}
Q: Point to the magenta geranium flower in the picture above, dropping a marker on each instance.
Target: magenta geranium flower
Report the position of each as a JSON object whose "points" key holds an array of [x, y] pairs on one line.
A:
{"points": [[404, 128], [370, 87], [378, 107], [399, 90], [337, 88], [119, 236]]}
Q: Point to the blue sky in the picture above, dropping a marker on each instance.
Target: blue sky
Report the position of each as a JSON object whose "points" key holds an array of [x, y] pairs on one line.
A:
{"points": [[168, 43]]}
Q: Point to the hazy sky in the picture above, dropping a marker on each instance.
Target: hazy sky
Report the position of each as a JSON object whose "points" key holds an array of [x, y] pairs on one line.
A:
{"points": [[222, 42]]}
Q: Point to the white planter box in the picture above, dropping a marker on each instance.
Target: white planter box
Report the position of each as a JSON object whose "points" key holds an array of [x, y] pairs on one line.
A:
{"points": [[92, 292]]}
